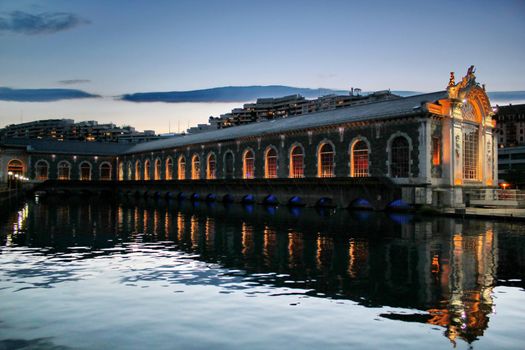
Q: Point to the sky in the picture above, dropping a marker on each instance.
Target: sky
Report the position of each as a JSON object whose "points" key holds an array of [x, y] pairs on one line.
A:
{"points": [[111, 48]]}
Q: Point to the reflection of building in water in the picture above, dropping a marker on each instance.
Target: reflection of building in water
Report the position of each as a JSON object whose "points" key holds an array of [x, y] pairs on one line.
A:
{"points": [[247, 239], [194, 231], [210, 233]]}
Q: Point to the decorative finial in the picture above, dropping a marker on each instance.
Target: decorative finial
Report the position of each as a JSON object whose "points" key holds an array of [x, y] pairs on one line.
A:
{"points": [[452, 80], [470, 71]]}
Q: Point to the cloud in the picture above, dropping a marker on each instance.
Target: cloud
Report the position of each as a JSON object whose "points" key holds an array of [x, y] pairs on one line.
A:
{"points": [[73, 81], [45, 23], [42, 95], [227, 94]]}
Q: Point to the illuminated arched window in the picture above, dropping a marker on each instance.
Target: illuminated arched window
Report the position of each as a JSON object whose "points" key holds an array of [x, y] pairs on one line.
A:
{"points": [[400, 157], [195, 167], [85, 171], [270, 163], [121, 171], [64, 170], [211, 168], [42, 170], [137, 170], [169, 169], [105, 171], [470, 152], [228, 165], [359, 159], [147, 170], [248, 165], [181, 168], [297, 162], [15, 167], [158, 169], [325, 159], [129, 172]]}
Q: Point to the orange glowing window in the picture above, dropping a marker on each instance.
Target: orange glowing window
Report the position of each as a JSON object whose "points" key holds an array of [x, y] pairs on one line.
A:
{"points": [[271, 164], [248, 165], [436, 150], [297, 160]]}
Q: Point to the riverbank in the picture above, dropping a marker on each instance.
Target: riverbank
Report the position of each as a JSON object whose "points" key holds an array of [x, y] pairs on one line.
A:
{"points": [[495, 213]]}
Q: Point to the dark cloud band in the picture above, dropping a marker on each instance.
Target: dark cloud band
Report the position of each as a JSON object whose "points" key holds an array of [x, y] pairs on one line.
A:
{"points": [[74, 81], [45, 23], [42, 95], [227, 94]]}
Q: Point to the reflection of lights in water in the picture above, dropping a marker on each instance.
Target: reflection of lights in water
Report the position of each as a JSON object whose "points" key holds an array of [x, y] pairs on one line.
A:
{"points": [[435, 264], [167, 225], [180, 226], [145, 220], [210, 231], [270, 209], [351, 259], [269, 242], [247, 238], [295, 211], [248, 208], [401, 218], [21, 218], [295, 248], [194, 231]]}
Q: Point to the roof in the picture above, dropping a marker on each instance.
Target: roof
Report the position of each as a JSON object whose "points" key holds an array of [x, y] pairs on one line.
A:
{"points": [[370, 111], [68, 147]]}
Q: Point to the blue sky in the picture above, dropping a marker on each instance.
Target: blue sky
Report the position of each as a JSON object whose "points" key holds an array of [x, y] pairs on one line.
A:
{"points": [[110, 48]]}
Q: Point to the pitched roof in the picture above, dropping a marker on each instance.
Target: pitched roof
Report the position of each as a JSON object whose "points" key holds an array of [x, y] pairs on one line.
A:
{"points": [[67, 147], [370, 111]]}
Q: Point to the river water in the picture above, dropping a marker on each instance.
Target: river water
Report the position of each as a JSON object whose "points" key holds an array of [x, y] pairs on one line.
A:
{"points": [[86, 273]]}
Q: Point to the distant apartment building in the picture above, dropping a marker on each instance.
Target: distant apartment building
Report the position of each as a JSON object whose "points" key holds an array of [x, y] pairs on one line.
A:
{"points": [[510, 125], [510, 133], [292, 105], [67, 129]]}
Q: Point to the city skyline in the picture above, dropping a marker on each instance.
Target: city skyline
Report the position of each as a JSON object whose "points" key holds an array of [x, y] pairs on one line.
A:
{"points": [[183, 46]]}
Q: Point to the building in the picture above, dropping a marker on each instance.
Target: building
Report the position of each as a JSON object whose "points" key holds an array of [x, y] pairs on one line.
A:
{"points": [[511, 165], [292, 105], [67, 129], [434, 147], [510, 125]]}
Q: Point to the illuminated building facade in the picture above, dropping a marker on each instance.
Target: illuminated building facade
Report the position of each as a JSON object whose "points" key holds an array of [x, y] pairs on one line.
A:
{"points": [[433, 146]]}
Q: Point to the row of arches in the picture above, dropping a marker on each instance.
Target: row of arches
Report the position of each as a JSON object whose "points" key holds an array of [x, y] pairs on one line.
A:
{"points": [[85, 170], [359, 152]]}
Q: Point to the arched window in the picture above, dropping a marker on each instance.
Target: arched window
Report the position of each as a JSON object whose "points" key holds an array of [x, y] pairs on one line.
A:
{"points": [[15, 167], [359, 159], [169, 169], [120, 169], [270, 163], [85, 171], [105, 171], [228, 165], [195, 167], [137, 170], [41, 170], [182, 168], [248, 165], [64, 170], [130, 172], [211, 168], [470, 152], [325, 160], [158, 169], [147, 170], [399, 158], [297, 162]]}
